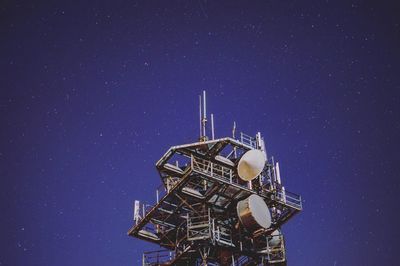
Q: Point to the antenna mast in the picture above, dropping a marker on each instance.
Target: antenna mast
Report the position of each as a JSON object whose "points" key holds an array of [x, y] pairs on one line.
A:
{"points": [[203, 117], [212, 126], [200, 118]]}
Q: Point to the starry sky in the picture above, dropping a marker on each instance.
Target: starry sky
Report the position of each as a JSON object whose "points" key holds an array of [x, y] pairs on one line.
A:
{"points": [[93, 94]]}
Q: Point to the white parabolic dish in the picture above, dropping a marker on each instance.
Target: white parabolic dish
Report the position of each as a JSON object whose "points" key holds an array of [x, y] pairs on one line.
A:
{"points": [[253, 212], [251, 165]]}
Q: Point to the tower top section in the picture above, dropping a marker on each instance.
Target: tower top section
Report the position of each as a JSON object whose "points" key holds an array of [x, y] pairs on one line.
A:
{"points": [[221, 202]]}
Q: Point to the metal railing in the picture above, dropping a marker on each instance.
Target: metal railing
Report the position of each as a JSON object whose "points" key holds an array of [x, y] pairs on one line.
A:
{"points": [[214, 170], [222, 233], [242, 260], [157, 257], [248, 140], [218, 171], [144, 209], [226, 174], [199, 227], [289, 198]]}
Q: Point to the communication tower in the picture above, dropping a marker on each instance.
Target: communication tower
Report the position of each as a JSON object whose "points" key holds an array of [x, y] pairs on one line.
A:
{"points": [[220, 202]]}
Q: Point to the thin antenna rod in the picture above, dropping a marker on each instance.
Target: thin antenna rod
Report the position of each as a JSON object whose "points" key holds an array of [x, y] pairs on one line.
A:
{"points": [[233, 136], [201, 117], [278, 173], [205, 109], [212, 126], [204, 120]]}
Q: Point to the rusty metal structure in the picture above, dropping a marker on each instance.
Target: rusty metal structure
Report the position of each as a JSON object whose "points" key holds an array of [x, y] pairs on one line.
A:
{"points": [[220, 202]]}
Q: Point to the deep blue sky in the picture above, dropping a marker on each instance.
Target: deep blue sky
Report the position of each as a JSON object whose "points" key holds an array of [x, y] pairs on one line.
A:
{"points": [[93, 94]]}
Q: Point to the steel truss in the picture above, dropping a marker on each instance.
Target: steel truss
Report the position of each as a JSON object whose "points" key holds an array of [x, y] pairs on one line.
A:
{"points": [[194, 218]]}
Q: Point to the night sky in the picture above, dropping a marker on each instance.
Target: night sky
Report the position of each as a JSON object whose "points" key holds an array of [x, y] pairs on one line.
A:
{"points": [[93, 94]]}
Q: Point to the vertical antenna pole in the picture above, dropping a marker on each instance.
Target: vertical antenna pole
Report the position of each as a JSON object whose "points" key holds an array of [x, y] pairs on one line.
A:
{"points": [[136, 211], [204, 107], [204, 120], [201, 117], [261, 145], [258, 140], [284, 194], [233, 136], [273, 171], [278, 173], [212, 126]]}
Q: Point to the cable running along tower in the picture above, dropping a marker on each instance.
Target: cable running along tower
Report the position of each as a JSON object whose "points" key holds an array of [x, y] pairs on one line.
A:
{"points": [[220, 202]]}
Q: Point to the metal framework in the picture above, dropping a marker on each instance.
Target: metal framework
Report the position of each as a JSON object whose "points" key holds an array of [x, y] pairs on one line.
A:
{"points": [[194, 217]]}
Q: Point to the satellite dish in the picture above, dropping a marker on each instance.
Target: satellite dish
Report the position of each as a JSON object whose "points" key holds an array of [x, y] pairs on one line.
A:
{"points": [[251, 165], [253, 213]]}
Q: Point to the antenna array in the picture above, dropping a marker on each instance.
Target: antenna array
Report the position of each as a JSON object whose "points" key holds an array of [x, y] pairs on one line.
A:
{"points": [[220, 202]]}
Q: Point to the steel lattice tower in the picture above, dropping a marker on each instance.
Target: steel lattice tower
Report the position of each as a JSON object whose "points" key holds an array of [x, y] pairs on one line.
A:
{"points": [[221, 202]]}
